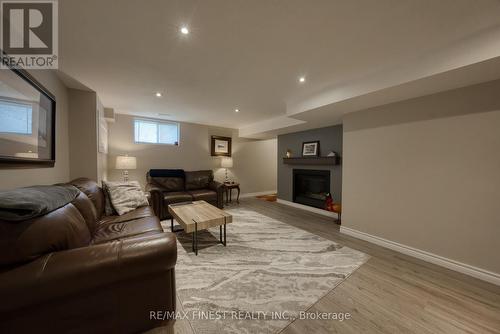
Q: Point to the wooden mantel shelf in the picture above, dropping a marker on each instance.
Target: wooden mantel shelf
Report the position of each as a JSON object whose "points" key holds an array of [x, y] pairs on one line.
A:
{"points": [[312, 161]]}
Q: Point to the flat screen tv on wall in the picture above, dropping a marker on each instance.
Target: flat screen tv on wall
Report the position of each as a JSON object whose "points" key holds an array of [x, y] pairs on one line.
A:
{"points": [[27, 121]]}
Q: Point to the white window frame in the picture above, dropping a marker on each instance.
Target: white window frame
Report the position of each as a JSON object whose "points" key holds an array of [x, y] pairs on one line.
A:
{"points": [[157, 122]]}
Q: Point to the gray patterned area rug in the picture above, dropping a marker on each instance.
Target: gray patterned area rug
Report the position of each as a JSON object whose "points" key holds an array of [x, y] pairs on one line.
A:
{"points": [[268, 270]]}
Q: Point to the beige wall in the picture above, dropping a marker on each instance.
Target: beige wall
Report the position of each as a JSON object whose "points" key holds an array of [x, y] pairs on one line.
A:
{"points": [[85, 158], [83, 139], [102, 166], [255, 165], [13, 178], [254, 160], [102, 158], [426, 173]]}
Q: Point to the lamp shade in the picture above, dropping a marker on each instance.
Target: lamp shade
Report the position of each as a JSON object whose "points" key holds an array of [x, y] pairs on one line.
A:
{"points": [[226, 163], [125, 162]]}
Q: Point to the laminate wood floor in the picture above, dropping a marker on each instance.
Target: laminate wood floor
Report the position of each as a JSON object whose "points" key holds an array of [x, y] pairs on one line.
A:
{"points": [[391, 293]]}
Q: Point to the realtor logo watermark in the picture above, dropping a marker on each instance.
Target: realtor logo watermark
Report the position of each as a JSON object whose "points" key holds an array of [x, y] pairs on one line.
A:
{"points": [[29, 36]]}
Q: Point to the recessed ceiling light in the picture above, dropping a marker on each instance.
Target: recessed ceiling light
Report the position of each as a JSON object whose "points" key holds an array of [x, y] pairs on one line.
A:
{"points": [[185, 30], [158, 94], [302, 79], [236, 110]]}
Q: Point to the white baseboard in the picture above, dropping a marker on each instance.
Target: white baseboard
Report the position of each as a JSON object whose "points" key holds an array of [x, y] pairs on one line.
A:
{"points": [[260, 193], [307, 208], [463, 268]]}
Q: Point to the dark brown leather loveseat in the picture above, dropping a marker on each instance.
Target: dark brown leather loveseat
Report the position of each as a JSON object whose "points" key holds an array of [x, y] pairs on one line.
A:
{"points": [[168, 186], [75, 270]]}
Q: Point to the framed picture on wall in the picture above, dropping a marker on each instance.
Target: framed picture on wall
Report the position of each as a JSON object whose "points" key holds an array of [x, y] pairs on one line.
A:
{"points": [[310, 149], [221, 146], [27, 121]]}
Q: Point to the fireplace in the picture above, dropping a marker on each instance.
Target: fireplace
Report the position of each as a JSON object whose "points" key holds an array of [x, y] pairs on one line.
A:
{"points": [[311, 186]]}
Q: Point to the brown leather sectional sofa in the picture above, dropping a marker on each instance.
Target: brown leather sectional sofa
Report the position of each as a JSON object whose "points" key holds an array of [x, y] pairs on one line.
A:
{"points": [[76, 270], [168, 186]]}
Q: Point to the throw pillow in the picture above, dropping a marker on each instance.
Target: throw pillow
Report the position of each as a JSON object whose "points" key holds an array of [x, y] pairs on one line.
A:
{"points": [[126, 196], [108, 207]]}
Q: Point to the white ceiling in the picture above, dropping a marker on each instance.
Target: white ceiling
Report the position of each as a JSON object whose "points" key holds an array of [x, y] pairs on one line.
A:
{"points": [[249, 54]]}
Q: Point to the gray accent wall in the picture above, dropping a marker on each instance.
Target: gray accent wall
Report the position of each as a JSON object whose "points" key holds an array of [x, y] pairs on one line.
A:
{"points": [[330, 140]]}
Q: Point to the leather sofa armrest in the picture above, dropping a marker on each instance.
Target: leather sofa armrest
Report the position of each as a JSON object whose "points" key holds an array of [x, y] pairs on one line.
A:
{"points": [[219, 189], [214, 185], [78, 270], [155, 199]]}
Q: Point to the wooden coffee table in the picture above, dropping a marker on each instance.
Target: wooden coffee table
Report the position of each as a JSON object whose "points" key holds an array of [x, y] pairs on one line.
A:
{"points": [[199, 215]]}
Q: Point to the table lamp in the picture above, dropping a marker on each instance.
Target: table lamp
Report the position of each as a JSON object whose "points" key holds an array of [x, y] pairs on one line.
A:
{"points": [[226, 163], [125, 163]]}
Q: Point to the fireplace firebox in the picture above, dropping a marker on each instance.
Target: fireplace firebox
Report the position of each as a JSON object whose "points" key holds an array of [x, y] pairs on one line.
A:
{"points": [[311, 186]]}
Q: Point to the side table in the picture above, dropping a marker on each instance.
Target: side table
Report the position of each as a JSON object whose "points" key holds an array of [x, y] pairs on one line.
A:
{"points": [[229, 187]]}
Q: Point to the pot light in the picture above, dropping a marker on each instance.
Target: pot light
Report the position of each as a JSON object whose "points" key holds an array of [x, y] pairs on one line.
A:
{"points": [[185, 30], [302, 79], [158, 94], [236, 110]]}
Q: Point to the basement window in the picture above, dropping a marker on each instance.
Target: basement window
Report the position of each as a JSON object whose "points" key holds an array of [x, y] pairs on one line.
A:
{"points": [[156, 132]]}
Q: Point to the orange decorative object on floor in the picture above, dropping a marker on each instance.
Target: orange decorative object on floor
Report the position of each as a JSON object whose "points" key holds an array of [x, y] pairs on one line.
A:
{"points": [[269, 198], [333, 207], [337, 208], [329, 202]]}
